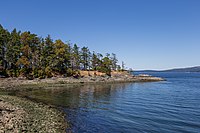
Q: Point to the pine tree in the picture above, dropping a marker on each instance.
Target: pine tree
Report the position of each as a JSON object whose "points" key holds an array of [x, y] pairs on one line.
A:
{"points": [[123, 66], [61, 57], [13, 52], [106, 65], [4, 39], [114, 61], [85, 56], [75, 57], [29, 45], [94, 61], [27, 54]]}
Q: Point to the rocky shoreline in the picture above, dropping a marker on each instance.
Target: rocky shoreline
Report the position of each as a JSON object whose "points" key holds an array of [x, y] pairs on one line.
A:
{"points": [[13, 82], [21, 115]]}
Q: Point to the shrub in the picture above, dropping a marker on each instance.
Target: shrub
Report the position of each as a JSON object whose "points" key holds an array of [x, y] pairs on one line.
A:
{"points": [[48, 71], [70, 72], [41, 74]]}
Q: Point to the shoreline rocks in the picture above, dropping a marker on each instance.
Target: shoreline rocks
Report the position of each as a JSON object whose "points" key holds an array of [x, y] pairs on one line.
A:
{"points": [[21, 115], [10, 117], [13, 82]]}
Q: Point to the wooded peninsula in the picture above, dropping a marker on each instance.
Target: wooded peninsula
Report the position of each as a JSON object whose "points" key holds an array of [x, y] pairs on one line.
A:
{"points": [[27, 59], [27, 55]]}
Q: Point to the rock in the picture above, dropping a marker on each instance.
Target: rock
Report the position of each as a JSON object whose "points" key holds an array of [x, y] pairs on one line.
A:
{"points": [[9, 126], [93, 79], [26, 116], [144, 75]]}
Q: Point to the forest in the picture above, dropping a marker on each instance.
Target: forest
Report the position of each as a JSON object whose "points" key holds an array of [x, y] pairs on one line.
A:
{"points": [[28, 55]]}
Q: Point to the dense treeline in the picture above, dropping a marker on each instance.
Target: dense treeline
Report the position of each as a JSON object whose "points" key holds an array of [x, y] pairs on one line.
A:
{"points": [[26, 54]]}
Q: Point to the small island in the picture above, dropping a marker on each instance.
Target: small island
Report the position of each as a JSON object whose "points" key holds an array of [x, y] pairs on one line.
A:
{"points": [[27, 59]]}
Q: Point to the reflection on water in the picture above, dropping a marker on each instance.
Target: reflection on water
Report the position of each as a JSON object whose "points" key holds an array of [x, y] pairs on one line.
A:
{"points": [[169, 106], [71, 96]]}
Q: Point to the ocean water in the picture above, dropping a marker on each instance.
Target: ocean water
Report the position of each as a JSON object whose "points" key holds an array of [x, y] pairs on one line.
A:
{"points": [[171, 106]]}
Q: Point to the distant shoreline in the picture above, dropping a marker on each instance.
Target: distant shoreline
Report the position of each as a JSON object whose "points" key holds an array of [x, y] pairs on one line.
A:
{"points": [[195, 69]]}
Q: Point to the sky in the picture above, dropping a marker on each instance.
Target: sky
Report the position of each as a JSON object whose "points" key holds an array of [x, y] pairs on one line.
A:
{"points": [[145, 34]]}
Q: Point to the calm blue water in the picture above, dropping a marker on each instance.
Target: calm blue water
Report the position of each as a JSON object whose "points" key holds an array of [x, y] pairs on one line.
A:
{"points": [[171, 106]]}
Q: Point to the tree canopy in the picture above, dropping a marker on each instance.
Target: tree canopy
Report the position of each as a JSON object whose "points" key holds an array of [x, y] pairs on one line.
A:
{"points": [[27, 54]]}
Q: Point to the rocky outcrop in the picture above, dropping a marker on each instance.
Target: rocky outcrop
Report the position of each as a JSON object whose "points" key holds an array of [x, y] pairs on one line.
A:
{"points": [[116, 77]]}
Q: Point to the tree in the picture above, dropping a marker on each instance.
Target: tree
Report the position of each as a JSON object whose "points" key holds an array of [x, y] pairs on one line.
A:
{"points": [[61, 57], [118, 68], [106, 66], [85, 57], [75, 57], [99, 56], [94, 61], [29, 45], [100, 61], [13, 52], [31, 56], [47, 52], [123, 66], [4, 39], [114, 61]]}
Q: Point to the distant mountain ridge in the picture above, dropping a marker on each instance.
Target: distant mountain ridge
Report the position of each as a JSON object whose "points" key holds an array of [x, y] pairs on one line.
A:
{"points": [[187, 69]]}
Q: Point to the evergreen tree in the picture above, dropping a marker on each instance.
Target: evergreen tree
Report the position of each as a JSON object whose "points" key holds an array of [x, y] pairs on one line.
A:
{"points": [[4, 39], [47, 51], [106, 66], [94, 61], [75, 57], [114, 61], [27, 54], [123, 66], [61, 57], [29, 45], [85, 56], [13, 52]]}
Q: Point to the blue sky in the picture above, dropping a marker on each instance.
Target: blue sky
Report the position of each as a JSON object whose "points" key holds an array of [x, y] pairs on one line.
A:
{"points": [[145, 34]]}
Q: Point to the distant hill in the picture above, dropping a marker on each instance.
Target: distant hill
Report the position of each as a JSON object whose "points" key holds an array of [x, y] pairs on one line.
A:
{"points": [[187, 69], [147, 71]]}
